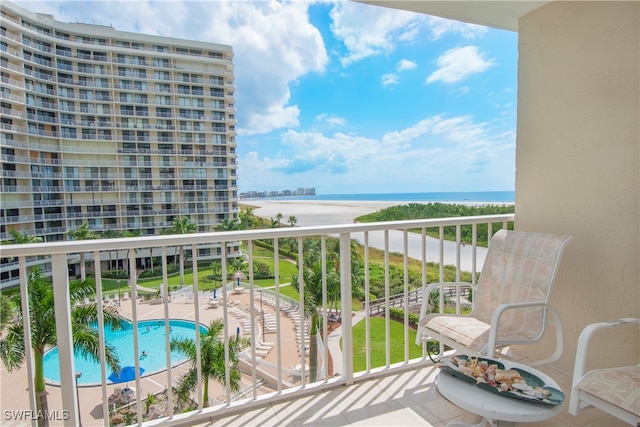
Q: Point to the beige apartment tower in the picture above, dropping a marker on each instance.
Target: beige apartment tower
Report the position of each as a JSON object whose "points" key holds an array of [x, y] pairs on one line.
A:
{"points": [[119, 130]]}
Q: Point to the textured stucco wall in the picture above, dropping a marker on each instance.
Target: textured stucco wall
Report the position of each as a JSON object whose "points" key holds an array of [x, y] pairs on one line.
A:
{"points": [[577, 158]]}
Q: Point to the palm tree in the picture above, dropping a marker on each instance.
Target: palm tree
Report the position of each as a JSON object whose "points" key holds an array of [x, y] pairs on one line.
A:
{"points": [[237, 263], [292, 220], [313, 275], [43, 330], [216, 269], [227, 225], [136, 232], [247, 220], [212, 361], [21, 238], [82, 233], [183, 226], [111, 234], [7, 310]]}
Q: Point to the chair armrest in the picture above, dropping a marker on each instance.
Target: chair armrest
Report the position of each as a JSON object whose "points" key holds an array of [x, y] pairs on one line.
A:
{"points": [[585, 338], [499, 311], [493, 341]]}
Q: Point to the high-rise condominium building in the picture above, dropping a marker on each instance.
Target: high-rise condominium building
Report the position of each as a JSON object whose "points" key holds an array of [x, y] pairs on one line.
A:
{"points": [[119, 130]]}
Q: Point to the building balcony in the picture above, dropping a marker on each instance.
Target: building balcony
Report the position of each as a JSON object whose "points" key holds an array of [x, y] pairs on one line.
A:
{"points": [[399, 391]]}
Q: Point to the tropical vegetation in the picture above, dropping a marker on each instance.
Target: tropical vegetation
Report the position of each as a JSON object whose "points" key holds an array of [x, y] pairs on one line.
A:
{"points": [[43, 330], [182, 225], [212, 359], [317, 272], [82, 233], [443, 210]]}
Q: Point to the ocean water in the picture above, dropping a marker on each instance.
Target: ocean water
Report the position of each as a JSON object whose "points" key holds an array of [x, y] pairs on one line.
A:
{"points": [[464, 196]]}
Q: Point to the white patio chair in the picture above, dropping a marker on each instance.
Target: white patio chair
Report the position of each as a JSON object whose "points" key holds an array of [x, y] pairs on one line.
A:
{"points": [[614, 389], [510, 302], [213, 302]]}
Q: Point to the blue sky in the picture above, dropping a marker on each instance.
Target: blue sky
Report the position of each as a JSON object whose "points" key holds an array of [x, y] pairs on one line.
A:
{"points": [[347, 97]]}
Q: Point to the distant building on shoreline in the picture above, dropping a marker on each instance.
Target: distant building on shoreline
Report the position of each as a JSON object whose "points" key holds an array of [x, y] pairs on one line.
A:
{"points": [[283, 193]]}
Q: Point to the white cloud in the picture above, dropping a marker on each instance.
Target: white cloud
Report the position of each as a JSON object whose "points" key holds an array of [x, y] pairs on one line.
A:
{"points": [[369, 30], [331, 120], [460, 91], [274, 44], [438, 27], [389, 79], [459, 63], [405, 65], [437, 153], [411, 133]]}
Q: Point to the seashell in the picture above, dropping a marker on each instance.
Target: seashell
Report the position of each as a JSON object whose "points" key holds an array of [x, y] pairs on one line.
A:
{"points": [[543, 392], [508, 374], [524, 387]]}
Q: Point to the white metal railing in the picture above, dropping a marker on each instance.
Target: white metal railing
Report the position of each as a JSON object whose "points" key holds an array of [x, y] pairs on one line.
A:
{"points": [[392, 237]]}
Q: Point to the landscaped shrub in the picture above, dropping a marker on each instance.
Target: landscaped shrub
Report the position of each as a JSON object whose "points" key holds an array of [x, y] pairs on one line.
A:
{"points": [[115, 274], [262, 271], [281, 251], [157, 271], [398, 314]]}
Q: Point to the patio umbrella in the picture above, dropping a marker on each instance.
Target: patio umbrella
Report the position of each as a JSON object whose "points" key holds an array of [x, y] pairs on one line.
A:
{"points": [[214, 293], [128, 373], [239, 275]]}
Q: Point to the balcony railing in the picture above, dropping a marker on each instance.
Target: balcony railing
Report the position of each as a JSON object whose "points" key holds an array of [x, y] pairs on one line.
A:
{"points": [[285, 377]]}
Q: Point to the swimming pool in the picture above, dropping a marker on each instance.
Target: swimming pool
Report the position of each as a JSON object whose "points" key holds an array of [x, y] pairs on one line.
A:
{"points": [[151, 339]]}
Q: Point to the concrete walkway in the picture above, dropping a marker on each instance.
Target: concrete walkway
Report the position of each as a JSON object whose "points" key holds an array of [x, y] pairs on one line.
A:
{"points": [[333, 343]]}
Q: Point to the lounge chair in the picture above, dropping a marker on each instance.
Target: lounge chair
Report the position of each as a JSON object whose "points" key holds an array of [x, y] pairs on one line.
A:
{"points": [[613, 389], [115, 395], [510, 302]]}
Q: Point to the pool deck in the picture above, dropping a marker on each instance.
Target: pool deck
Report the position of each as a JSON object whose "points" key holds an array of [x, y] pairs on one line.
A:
{"points": [[13, 386]]}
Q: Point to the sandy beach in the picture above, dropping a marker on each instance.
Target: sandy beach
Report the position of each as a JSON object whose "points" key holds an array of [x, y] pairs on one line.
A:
{"points": [[328, 212], [316, 212]]}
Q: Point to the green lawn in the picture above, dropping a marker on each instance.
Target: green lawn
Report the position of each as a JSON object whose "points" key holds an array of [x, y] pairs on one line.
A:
{"points": [[287, 269], [377, 341]]}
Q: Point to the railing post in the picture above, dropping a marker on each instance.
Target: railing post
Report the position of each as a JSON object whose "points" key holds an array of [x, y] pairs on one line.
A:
{"points": [[345, 301], [68, 388], [26, 322]]}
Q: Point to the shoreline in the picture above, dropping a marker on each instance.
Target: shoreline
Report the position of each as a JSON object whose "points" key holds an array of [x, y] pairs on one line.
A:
{"points": [[330, 212], [316, 212], [339, 212]]}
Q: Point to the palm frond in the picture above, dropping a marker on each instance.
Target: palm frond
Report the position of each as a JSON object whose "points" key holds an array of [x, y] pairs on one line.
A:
{"points": [[87, 343], [12, 350], [79, 289], [186, 384]]}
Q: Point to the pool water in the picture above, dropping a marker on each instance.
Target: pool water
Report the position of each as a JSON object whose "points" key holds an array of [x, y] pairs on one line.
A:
{"points": [[151, 339]]}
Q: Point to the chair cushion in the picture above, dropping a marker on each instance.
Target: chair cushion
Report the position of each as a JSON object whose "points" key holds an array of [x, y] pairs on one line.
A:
{"points": [[466, 330], [618, 386]]}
